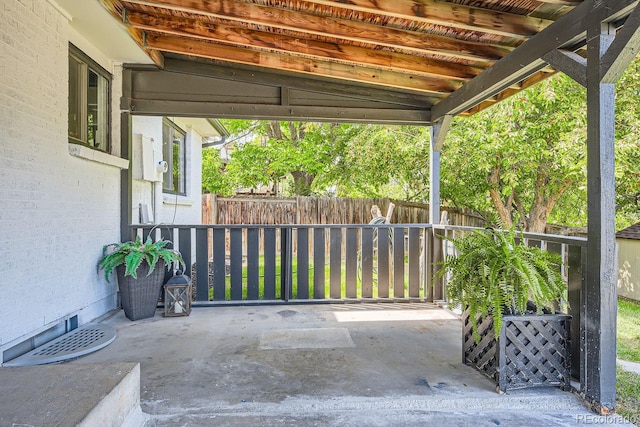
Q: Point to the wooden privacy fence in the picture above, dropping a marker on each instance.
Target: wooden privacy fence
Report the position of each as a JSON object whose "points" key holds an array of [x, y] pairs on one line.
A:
{"points": [[313, 210]]}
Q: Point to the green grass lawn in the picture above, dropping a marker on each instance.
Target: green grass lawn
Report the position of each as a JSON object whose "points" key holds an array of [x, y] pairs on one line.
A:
{"points": [[628, 399], [310, 276], [629, 330], [628, 384]]}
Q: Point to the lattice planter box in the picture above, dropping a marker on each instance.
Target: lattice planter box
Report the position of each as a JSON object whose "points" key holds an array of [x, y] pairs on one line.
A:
{"points": [[531, 350]]}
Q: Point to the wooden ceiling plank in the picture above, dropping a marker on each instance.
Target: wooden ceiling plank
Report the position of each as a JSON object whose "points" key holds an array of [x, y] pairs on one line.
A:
{"points": [[209, 50], [447, 14], [329, 51], [344, 29], [526, 59], [562, 2]]}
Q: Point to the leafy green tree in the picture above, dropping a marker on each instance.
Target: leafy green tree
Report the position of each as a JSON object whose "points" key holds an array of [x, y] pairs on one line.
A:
{"points": [[299, 152], [524, 160], [518, 158], [384, 161]]}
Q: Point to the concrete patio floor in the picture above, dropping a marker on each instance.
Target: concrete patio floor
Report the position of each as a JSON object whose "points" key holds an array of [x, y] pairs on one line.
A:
{"points": [[320, 365]]}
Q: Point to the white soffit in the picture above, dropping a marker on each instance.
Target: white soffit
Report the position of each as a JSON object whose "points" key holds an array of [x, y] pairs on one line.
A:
{"points": [[91, 20], [200, 125]]}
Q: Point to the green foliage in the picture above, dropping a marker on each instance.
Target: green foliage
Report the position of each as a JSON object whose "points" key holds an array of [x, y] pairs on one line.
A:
{"points": [[132, 254], [214, 180], [628, 395], [385, 161], [524, 153], [495, 272], [300, 152], [524, 159]]}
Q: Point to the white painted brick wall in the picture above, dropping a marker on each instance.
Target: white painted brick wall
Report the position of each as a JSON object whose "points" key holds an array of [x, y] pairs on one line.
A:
{"points": [[56, 210]]}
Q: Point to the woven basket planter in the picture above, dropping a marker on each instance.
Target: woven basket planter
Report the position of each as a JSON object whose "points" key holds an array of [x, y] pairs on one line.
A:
{"points": [[139, 296], [531, 350]]}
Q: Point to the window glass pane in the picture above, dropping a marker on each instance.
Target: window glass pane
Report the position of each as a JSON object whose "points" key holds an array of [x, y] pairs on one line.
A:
{"points": [[178, 186], [89, 92], [167, 154], [97, 107], [75, 100], [173, 152]]}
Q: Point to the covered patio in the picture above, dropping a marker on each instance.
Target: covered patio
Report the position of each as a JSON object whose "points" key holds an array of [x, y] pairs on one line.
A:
{"points": [[418, 62], [322, 365]]}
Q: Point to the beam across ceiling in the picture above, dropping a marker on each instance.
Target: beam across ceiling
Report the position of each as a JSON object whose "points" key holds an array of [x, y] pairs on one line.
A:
{"points": [[247, 74], [186, 88]]}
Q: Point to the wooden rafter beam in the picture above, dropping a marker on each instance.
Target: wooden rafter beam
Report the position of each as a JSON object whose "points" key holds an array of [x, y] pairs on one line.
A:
{"points": [[239, 34], [524, 84], [115, 9], [244, 14], [352, 55], [206, 49], [447, 14]]}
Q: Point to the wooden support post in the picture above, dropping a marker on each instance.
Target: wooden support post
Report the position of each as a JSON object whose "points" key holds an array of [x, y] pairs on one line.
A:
{"points": [[126, 207], [438, 133], [607, 57], [600, 294]]}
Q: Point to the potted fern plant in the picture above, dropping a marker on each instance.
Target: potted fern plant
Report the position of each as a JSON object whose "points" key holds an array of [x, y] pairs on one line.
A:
{"points": [[140, 268], [509, 292]]}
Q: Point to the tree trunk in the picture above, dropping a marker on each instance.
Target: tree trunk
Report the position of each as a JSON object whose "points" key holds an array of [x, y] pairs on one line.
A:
{"points": [[302, 183], [503, 209]]}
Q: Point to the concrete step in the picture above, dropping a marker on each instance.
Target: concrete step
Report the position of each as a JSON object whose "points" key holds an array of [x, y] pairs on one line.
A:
{"points": [[72, 395]]}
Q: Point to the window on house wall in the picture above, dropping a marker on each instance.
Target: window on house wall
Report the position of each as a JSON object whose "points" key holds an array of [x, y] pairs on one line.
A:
{"points": [[89, 89], [173, 152]]}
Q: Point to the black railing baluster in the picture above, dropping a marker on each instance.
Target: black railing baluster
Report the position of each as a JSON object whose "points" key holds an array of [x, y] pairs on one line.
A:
{"points": [[269, 263], [335, 263], [286, 254], [575, 284], [202, 265], [318, 263], [414, 262], [366, 263], [303, 263], [219, 264], [235, 263], [253, 264], [398, 262], [383, 262], [351, 262], [184, 245]]}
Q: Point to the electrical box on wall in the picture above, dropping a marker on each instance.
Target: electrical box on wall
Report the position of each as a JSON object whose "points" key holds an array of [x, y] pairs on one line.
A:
{"points": [[147, 159]]}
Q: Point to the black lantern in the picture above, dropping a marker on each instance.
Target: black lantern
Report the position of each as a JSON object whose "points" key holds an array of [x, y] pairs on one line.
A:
{"points": [[177, 295]]}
